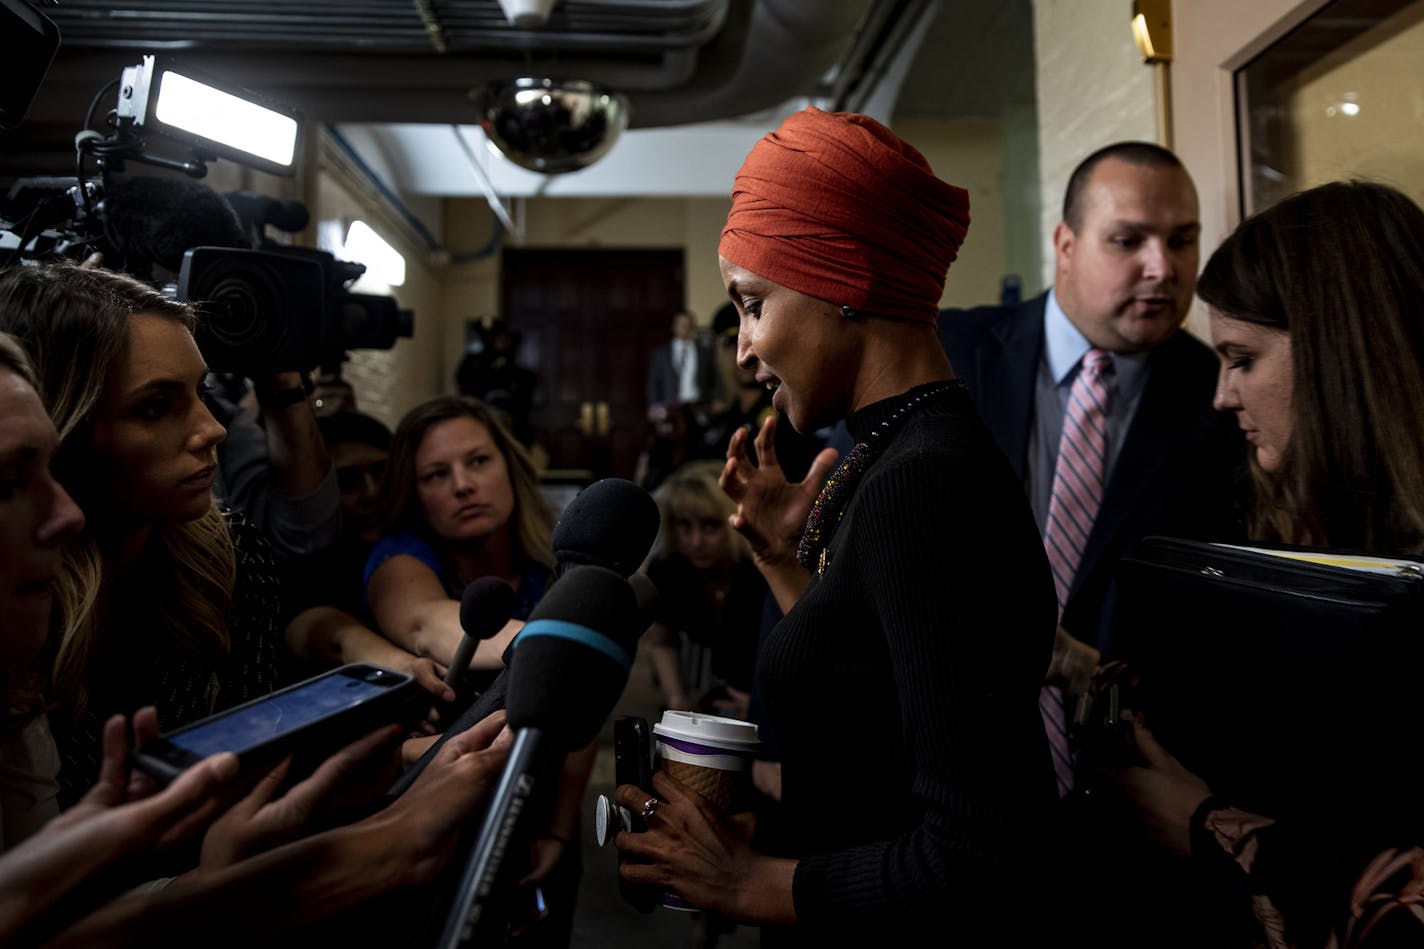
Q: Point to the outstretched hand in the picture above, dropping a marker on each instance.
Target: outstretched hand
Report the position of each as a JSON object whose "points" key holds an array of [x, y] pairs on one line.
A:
{"points": [[771, 511], [169, 816], [420, 829], [121, 817], [265, 819], [1161, 792]]}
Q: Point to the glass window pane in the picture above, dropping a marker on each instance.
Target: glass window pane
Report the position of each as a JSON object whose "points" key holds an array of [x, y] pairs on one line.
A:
{"points": [[1342, 96]]}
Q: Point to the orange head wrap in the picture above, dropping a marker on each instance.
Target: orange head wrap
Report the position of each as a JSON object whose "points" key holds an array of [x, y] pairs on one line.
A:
{"points": [[838, 207]]}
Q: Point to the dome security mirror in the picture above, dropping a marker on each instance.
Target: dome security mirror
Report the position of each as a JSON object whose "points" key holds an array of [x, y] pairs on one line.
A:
{"points": [[551, 125]]}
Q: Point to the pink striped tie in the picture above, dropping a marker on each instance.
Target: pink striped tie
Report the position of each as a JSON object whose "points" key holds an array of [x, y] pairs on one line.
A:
{"points": [[1072, 507]]}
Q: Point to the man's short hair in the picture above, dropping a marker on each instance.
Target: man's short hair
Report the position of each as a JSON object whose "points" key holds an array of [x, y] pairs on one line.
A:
{"points": [[342, 427], [1134, 153]]}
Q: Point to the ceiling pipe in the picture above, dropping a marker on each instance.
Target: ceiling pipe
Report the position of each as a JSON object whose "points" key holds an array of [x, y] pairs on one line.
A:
{"points": [[769, 51]]}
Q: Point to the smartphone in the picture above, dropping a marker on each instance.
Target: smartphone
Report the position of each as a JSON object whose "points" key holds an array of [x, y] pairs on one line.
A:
{"points": [[317, 716], [633, 764], [633, 753]]}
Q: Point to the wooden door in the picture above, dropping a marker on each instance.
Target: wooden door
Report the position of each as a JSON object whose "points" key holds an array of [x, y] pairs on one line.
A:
{"points": [[589, 322]]}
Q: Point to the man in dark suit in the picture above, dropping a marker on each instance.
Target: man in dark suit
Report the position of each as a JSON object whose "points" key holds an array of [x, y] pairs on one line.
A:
{"points": [[1126, 265], [683, 371]]}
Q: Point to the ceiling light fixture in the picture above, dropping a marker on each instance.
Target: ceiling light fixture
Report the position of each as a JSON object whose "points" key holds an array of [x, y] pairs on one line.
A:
{"points": [[526, 14]]}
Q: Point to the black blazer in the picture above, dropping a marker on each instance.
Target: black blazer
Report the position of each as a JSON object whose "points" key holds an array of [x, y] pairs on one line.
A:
{"points": [[662, 381], [1179, 470]]}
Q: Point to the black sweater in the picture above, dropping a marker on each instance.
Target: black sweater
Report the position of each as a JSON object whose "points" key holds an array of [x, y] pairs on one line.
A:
{"points": [[903, 686]]}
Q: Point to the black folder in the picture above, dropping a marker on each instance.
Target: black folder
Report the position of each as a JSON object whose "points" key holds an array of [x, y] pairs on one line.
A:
{"points": [[1287, 683]]}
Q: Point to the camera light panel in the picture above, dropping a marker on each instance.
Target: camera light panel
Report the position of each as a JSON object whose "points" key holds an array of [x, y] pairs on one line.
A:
{"points": [[200, 109], [164, 97]]}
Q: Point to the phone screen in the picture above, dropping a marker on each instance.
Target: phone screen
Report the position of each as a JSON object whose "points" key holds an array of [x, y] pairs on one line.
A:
{"points": [[260, 722]]}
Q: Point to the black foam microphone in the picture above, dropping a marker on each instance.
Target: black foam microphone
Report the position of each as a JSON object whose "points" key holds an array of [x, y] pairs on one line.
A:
{"points": [[485, 607], [258, 210], [573, 661], [645, 594], [160, 219], [611, 523]]}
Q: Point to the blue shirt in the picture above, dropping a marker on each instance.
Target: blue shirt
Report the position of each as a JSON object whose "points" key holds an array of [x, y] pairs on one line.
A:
{"points": [[1063, 350], [533, 580]]}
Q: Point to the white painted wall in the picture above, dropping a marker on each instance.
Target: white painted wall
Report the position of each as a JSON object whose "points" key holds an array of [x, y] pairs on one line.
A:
{"points": [[1093, 89]]}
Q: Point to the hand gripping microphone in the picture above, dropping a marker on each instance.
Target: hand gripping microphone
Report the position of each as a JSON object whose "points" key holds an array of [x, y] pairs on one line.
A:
{"points": [[573, 661], [611, 523], [485, 607]]}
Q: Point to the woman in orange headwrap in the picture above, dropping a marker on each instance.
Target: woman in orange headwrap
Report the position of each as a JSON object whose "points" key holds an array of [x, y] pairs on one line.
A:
{"points": [[920, 613]]}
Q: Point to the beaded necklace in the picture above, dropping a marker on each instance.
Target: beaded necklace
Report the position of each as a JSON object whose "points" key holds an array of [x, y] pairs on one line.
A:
{"points": [[831, 503]]}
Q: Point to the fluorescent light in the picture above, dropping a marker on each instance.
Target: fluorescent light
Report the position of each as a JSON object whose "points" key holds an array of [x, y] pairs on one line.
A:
{"points": [[384, 264], [200, 109]]}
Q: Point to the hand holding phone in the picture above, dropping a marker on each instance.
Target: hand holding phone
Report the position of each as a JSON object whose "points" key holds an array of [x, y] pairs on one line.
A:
{"points": [[313, 717], [632, 764], [268, 817]]}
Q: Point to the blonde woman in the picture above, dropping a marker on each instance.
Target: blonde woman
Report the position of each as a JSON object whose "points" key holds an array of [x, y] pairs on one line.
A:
{"points": [[160, 599], [711, 596]]}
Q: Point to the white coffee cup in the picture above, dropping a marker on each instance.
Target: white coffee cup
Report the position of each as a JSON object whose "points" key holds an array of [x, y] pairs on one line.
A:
{"points": [[709, 754]]}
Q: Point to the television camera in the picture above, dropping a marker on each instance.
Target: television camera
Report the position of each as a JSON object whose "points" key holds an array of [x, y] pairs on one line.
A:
{"points": [[264, 307]]}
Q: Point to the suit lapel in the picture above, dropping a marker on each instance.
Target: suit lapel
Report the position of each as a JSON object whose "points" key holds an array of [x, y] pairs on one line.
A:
{"points": [[1006, 379]]}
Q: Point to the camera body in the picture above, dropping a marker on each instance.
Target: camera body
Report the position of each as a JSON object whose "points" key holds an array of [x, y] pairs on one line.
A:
{"points": [[283, 309], [275, 309]]}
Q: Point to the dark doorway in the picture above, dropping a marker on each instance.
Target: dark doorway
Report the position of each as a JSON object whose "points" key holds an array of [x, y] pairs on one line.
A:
{"points": [[590, 320]]}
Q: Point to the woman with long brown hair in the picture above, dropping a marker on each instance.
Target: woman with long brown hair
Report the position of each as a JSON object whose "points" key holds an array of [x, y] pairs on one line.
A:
{"points": [[462, 501], [1317, 314], [161, 600]]}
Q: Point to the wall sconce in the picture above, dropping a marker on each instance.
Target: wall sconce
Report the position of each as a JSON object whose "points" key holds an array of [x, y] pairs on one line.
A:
{"points": [[1152, 31]]}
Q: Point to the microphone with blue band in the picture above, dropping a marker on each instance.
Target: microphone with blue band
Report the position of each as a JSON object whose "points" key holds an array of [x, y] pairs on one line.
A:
{"points": [[612, 523], [569, 669], [583, 635]]}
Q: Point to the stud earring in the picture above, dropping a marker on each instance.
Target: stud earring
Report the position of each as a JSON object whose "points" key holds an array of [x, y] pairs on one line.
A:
{"points": [[849, 312]]}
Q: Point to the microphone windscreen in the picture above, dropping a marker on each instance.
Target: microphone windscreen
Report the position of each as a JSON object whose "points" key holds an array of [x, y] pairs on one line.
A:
{"points": [[573, 656], [645, 594], [258, 210], [485, 607], [611, 523], [160, 219]]}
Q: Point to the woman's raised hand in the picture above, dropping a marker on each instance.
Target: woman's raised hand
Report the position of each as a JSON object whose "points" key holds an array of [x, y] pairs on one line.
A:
{"points": [[771, 511]]}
